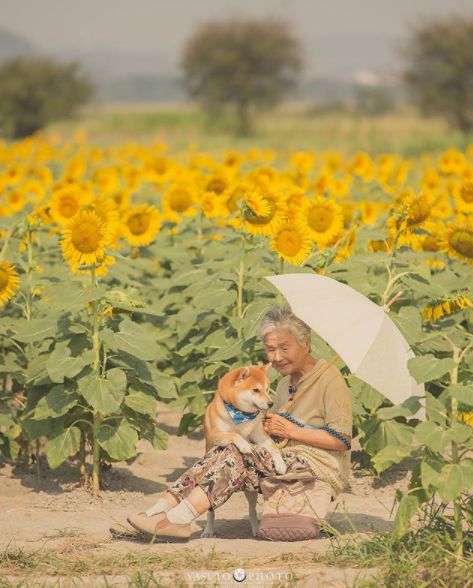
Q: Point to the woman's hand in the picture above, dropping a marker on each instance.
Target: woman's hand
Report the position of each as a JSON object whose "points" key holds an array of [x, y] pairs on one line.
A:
{"points": [[278, 426]]}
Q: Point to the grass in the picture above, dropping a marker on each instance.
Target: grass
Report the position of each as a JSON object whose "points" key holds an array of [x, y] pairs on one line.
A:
{"points": [[291, 127], [422, 558]]}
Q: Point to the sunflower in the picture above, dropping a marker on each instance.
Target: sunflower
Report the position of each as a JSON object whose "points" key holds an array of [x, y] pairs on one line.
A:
{"points": [[452, 162], [107, 210], [363, 166], [431, 243], [218, 183], [459, 241], [292, 242], [446, 306], [9, 282], [85, 238], [140, 224], [384, 245], [339, 187], [66, 203], [15, 200], [303, 161], [212, 205], [411, 215], [464, 195], [179, 199], [466, 417], [295, 199], [232, 159], [349, 210], [254, 203], [34, 190], [369, 211], [121, 198], [269, 221], [324, 219], [430, 180], [345, 251]]}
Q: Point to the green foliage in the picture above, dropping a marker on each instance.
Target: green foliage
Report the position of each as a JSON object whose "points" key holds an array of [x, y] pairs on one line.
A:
{"points": [[38, 91], [242, 63], [375, 100], [439, 67], [422, 557]]}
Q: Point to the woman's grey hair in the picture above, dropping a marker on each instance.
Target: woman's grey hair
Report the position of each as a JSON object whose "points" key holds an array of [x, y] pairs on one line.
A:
{"points": [[282, 317]]}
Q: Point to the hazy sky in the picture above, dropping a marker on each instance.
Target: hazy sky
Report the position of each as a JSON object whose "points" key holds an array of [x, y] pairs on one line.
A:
{"points": [[161, 26]]}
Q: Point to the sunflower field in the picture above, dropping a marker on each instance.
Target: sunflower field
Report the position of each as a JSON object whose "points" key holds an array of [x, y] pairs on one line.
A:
{"points": [[129, 275]]}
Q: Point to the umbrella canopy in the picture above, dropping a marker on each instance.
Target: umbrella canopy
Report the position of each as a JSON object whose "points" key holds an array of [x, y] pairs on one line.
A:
{"points": [[359, 331]]}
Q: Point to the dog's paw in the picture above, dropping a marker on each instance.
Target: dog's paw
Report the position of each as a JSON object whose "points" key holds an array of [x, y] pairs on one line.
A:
{"points": [[207, 533], [243, 446], [279, 464]]}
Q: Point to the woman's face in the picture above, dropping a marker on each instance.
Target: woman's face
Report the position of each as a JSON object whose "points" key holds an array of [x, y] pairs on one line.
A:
{"points": [[285, 352]]}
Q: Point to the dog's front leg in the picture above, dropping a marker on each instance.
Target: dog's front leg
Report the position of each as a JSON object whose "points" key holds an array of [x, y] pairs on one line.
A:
{"points": [[226, 438], [263, 440], [209, 527]]}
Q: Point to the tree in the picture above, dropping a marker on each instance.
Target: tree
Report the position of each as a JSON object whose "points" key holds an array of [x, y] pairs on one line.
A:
{"points": [[34, 92], [242, 64], [439, 71]]}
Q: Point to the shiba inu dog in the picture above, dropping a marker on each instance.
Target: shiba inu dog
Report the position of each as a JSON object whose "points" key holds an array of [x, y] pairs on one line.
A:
{"points": [[235, 415]]}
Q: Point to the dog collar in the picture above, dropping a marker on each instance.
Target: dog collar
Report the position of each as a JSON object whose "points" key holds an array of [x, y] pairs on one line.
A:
{"points": [[239, 416]]}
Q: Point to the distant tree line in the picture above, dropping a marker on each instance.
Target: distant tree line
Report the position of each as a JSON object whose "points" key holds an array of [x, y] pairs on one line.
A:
{"points": [[245, 65], [35, 92]]}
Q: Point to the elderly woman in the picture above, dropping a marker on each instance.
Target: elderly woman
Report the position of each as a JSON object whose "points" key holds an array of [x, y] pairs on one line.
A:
{"points": [[324, 452]]}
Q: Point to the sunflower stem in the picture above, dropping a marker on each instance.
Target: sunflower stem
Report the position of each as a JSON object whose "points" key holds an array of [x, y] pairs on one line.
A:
{"points": [[29, 292], [96, 456], [97, 419], [37, 456], [82, 457], [241, 283], [457, 510]]}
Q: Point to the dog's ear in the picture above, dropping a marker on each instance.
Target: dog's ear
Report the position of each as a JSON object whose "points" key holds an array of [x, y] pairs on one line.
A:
{"points": [[267, 366], [233, 377], [244, 373]]}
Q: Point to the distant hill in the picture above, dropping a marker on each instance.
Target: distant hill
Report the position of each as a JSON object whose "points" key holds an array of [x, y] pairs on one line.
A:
{"points": [[13, 45]]}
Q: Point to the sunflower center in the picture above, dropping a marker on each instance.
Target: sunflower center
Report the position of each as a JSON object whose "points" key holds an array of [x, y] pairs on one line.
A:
{"points": [[68, 207], [3, 279], [466, 193], [216, 185], [462, 241], [86, 237], [418, 212], [180, 201], [139, 223], [430, 243], [288, 242], [320, 219]]}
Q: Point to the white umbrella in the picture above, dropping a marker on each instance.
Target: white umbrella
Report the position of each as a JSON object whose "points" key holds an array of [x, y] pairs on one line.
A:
{"points": [[359, 331]]}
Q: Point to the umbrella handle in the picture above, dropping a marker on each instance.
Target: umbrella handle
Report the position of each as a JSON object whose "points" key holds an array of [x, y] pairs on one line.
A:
{"points": [[393, 299]]}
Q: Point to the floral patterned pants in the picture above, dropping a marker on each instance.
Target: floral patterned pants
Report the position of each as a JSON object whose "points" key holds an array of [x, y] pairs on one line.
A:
{"points": [[225, 470]]}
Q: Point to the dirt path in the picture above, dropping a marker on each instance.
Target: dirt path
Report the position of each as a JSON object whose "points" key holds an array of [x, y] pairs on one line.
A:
{"points": [[53, 512]]}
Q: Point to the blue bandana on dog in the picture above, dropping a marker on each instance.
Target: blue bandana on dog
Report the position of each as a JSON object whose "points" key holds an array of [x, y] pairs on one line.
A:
{"points": [[239, 416]]}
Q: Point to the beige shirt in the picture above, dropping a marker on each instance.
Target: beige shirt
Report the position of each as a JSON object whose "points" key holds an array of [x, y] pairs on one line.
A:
{"points": [[326, 402]]}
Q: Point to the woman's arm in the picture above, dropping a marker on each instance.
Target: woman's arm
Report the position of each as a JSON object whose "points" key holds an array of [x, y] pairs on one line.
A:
{"points": [[318, 438], [281, 427]]}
